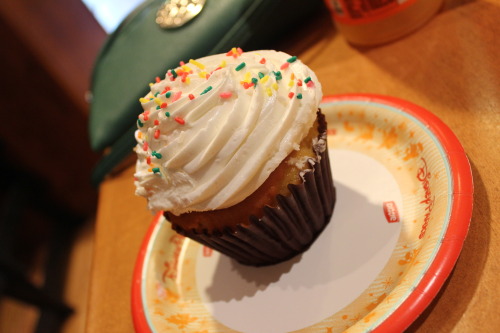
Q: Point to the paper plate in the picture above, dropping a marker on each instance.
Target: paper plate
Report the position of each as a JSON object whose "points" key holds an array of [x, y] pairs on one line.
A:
{"points": [[404, 204]]}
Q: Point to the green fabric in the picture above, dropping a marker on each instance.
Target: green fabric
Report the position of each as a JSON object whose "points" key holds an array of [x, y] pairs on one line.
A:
{"points": [[139, 50]]}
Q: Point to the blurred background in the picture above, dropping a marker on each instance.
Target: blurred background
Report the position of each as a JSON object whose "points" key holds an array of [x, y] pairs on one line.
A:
{"points": [[47, 202]]}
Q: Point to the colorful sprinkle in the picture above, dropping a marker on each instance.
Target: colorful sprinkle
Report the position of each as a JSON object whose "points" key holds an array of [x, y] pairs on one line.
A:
{"points": [[157, 134], [307, 79], [255, 81], [197, 64], [157, 122], [299, 96], [167, 114], [145, 146], [168, 94], [290, 94], [163, 105], [275, 86], [191, 96], [285, 66], [174, 73], [292, 59], [240, 66], [262, 61], [148, 160], [143, 100], [157, 79], [269, 92], [207, 89], [310, 84], [139, 122], [278, 75], [261, 75], [299, 82], [145, 115], [176, 96], [264, 79], [157, 155], [226, 94], [247, 85], [179, 120], [156, 170]]}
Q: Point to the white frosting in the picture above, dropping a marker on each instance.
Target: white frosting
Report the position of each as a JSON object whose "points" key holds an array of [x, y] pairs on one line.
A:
{"points": [[214, 150]]}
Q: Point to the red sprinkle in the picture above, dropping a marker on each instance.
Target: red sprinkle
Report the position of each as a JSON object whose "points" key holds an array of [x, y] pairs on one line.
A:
{"points": [[290, 94], [145, 146], [146, 115], [247, 85], [157, 79], [182, 63], [226, 94], [191, 96], [207, 76], [157, 122], [263, 61], [179, 120], [285, 65], [163, 105], [157, 134], [310, 84], [167, 88], [240, 51], [148, 160], [299, 83]]}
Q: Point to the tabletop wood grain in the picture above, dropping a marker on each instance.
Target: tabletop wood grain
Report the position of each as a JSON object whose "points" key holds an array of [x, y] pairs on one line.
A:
{"points": [[450, 66]]}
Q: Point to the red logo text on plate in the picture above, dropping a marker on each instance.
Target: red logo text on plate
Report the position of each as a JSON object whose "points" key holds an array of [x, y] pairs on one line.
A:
{"points": [[391, 212], [207, 252]]}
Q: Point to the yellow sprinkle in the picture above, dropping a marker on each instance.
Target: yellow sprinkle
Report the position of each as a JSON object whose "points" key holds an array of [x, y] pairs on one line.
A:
{"points": [[186, 68], [275, 86], [290, 84], [188, 80], [197, 64], [202, 74], [235, 51], [150, 169], [143, 100], [247, 77], [269, 92], [158, 101], [150, 84], [223, 64], [264, 79]]}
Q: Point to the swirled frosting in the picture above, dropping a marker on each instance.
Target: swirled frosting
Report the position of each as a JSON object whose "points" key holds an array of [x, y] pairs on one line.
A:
{"points": [[215, 128]]}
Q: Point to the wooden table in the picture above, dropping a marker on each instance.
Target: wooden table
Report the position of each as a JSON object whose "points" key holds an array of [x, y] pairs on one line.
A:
{"points": [[450, 66]]}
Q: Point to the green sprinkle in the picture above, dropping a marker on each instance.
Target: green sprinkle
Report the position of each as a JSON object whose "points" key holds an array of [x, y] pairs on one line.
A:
{"points": [[139, 122], [156, 170], [167, 114], [255, 81], [167, 94], [158, 107], [292, 59], [206, 90], [174, 74], [157, 155], [278, 75], [261, 75], [307, 79], [240, 66], [156, 94], [299, 96]]}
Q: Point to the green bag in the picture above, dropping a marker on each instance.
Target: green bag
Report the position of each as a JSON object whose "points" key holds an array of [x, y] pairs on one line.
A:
{"points": [[139, 50]]}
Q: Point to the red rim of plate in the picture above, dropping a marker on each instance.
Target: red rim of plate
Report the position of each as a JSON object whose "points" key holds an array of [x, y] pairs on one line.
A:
{"points": [[448, 251]]}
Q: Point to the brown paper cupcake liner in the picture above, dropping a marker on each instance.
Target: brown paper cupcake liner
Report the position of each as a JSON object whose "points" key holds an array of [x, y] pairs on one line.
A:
{"points": [[286, 230]]}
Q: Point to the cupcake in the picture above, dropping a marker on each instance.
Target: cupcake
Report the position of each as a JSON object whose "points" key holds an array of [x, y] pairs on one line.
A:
{"points": [[232, 148]]}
